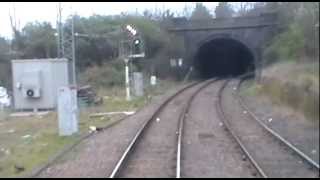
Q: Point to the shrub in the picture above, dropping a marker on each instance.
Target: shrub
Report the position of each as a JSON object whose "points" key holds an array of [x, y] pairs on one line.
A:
{"points": [[110, 74], [287, 46]]}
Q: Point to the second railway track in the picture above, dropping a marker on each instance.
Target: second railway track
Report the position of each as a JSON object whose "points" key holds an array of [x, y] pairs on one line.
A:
{"points": [[159, 148], [170, 143], [270, 155]]}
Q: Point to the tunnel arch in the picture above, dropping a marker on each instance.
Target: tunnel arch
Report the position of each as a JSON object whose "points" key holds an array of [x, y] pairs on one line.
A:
{"points": [[222, 55]]}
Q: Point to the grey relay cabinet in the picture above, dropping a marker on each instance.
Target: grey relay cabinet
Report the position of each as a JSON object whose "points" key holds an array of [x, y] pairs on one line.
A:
{"points": [[36, 82]]}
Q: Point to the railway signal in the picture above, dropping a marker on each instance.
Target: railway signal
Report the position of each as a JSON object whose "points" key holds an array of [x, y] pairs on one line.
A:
{"points": [[136, 51], [137, 46]]}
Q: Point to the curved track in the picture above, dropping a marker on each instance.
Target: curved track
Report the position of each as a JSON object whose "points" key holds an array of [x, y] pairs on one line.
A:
{"points": [[271, 154], [121, 163], [273, 133]]}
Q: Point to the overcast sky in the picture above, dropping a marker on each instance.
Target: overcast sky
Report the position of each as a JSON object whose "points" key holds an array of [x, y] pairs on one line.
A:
{"points": [[47, 11]]}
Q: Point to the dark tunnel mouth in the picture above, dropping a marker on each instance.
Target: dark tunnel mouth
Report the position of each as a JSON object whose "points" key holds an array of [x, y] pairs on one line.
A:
{"points": [[223, 57]]}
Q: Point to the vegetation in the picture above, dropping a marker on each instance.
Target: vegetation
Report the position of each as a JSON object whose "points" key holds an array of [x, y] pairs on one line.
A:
{"points": [[44, 142], [293, 56], [292, 78], [5, 73], [224, 10], [200, 12], [30, 141], [296, 39], [292, 85], [298, 36], [37, 40]]}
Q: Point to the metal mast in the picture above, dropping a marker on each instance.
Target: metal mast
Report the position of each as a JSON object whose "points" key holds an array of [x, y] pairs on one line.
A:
{"points": [[66, 44]]}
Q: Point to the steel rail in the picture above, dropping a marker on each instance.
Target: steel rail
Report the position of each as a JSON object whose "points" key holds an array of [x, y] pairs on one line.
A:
{"points": [[272, 132], [182, 117], [226, 123], [139, 133]]}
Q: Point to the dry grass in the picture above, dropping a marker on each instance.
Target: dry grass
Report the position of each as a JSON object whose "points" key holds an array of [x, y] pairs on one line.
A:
{"points": [[293, 85], [44, 140]]}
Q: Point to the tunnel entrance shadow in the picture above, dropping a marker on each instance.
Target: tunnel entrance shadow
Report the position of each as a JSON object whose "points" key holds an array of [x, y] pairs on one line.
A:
{"points": [[223, 57]]}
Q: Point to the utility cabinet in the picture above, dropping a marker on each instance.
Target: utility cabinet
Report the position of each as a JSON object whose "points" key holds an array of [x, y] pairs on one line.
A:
{"points": [[36, 82], [138, 84], [67, 111]]}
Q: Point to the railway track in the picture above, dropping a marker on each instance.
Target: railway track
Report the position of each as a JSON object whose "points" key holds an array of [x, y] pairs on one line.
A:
{"points": [[290, 164], [182, 118], [122, 162], [299, 152], [199, 126], [271, 155]]}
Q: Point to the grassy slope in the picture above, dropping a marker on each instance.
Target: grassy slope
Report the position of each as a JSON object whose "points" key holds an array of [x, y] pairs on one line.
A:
{"points": [[293, 85], [45, 142]]}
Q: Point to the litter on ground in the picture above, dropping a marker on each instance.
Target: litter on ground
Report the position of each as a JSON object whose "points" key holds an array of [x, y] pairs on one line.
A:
{"points": [[11, 131], [26, 136]]}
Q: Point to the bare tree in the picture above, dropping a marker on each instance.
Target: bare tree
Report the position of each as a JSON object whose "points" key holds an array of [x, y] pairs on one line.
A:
{"points": [[187, 11], [224, 10], [17, 42], [244, 7], [200, 12]]}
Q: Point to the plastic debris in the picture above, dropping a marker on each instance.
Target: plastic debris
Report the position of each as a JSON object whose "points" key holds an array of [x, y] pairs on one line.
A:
{"points": [[270, 119], [128, 112], [220, 124], [244, 112], [7, 152], [93, 128], [314, 151], [11, 131], [111, 113], [26, 136], [234, 88], [158, 119]]}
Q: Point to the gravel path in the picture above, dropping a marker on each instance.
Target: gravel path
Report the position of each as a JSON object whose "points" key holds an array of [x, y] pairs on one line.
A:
{"points": [[208, 150], [274, 159], [291, 125], [155, 153], [97, 156]]}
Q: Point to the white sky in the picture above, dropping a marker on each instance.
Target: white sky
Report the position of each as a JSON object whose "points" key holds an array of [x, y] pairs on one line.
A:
{"points": [[47, 11]]}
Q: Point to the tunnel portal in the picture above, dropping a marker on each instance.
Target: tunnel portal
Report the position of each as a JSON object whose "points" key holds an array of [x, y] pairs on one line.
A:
{"points": [[223, 57]]}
